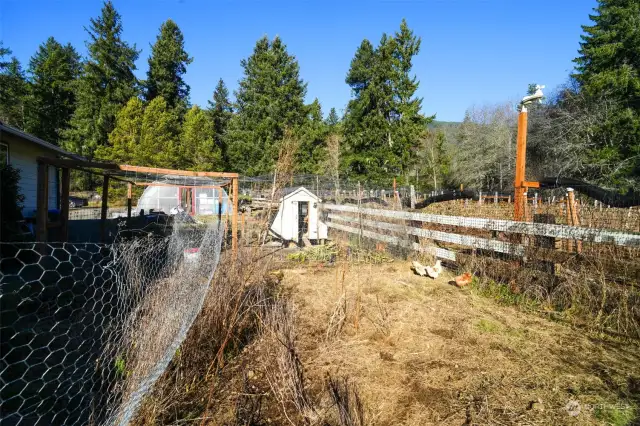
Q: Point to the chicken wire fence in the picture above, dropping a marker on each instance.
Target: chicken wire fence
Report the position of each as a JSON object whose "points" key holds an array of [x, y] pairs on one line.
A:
{"points": [[88, 328]]}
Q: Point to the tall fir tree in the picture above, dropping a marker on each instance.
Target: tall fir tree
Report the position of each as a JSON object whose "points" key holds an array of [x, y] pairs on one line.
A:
{"points": [[105, 85], [198, 149], [332, 119], [312, 150], [270, 99], [167, 66], [609, 67], [51, 102], [159, 134], [383, 123], [221, 110], [125, 137], [13, 89]]}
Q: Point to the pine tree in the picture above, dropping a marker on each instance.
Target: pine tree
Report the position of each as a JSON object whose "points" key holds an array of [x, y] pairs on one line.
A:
{"points": [[13, 89], [125, 137], [312, 150], [198, 149], [609, 68], [106, 84], [167, 66], [159, 135], [383, 123], [51, 102], [221, 110], [332, 119], [270, 99]]}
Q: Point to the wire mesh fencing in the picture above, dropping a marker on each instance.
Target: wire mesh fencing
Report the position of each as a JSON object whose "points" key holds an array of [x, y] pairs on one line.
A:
{"points": [[88, 328]]}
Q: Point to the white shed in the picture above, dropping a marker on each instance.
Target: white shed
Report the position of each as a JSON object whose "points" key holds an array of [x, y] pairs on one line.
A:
{"points": [[297, 217]]}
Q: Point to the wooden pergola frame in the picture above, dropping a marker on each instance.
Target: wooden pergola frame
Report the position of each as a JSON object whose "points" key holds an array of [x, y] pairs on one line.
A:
{"points": [[113, 171]]}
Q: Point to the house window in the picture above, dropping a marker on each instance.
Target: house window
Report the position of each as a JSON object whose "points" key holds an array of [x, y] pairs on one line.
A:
{"points": [[4, 154]]}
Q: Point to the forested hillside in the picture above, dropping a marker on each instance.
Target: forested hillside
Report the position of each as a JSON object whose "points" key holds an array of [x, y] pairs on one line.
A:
{"points": [[95, 106]]}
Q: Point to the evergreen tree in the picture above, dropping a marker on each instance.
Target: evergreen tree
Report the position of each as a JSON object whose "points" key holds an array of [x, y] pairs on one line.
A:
{"points": [[270, 99], [125, 137], [51, 101], [383, 123], [312, 150], [158, 136], [332, 119], [609, 67], [198, 149], [167, 66], [106, 84], [13, 89], [220, 110]]}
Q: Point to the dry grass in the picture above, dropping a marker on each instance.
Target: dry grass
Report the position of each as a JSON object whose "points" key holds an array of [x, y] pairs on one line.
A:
{"points": [[424, 352]]}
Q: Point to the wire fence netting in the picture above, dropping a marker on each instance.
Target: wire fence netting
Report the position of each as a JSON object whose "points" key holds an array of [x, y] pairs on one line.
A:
{"points": [[88, 328]]}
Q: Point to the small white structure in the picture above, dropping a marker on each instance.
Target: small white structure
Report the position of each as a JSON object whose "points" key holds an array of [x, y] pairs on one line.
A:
{"points": [[297, 217]]}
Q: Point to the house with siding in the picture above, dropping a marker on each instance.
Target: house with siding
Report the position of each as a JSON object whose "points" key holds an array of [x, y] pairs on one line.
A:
{"points": [[21, 150]]}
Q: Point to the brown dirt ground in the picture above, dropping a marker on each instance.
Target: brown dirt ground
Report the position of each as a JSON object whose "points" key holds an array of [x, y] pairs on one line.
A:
{"points": [[422, 351]]}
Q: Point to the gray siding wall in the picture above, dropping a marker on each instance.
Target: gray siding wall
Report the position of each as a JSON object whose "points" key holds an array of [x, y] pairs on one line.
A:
{"points": [[22, 155]]}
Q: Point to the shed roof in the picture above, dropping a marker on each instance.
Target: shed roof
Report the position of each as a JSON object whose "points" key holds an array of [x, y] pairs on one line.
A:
{"points": [[290, 192]]}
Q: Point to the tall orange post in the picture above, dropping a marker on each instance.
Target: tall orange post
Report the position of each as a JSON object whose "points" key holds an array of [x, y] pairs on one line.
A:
{"points": [[521, 161]]}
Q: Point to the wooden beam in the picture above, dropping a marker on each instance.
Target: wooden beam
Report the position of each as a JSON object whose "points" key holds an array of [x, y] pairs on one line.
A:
{"points": [[234, 218], [129, 201], [159, 171], [74, 164], [64, 205], [179, 186], [105, 206], [42, 202], [528, 184]]}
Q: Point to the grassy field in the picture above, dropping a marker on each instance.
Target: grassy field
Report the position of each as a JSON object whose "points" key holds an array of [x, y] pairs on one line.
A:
{"points": [[425, 352]]}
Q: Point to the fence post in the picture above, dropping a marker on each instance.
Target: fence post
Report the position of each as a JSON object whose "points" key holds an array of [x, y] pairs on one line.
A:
{"points": [[104, 208], [480, 197], [412, 189], [128, 201], [495, 200]]}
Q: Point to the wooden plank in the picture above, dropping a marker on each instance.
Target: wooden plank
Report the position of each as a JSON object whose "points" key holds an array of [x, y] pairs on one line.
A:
{"points": [[159, 171], [464, 240], [234, 218], [104, 208], [74, 164], [42, 202], [64, 207], [179, 185], [436, 251], [541, 229], [129, 195]]}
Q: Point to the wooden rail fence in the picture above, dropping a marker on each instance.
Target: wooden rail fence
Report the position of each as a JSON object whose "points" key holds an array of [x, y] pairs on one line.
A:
{"points": [[368, 222]]}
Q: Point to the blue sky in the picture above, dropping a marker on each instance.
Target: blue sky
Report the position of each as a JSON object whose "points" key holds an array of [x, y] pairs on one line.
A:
{"points": [[473, 51]]}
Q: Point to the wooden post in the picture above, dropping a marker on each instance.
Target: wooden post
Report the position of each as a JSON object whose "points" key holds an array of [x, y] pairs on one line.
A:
{"points": [[103, 210], [413, 196], [242, 227], [495, 200], [64, 205], [521, 160], [42, 202], [480, 197], [234, 218], [569, 216], [129, 200], [573, 214]]}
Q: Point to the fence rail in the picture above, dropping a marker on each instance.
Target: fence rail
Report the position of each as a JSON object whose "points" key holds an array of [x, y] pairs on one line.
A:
{"points": [[568, 232]]}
